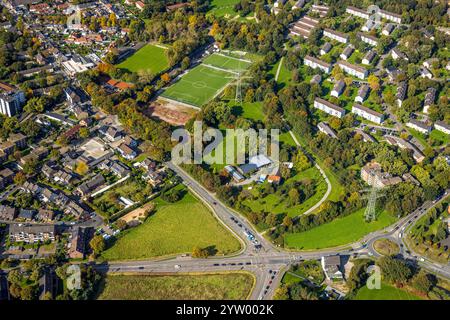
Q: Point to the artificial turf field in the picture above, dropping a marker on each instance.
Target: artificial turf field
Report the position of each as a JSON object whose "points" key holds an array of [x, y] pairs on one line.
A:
{"points": [[204, 82], [149, 57]]}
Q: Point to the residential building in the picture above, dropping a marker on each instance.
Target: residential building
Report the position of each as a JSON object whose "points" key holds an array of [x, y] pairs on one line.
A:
{"points": [[127, 152], [316, 63], [332, 267], [419, 126], [328, 107], [430, 62], [348, 51], [338, 88], [387, 30], [394, 17], [363, 92], [369, 56], [304, 26], [325, 128], [366, 137], [425, 73], [367, 113], [31, 233], [442, 126], [7, 213], [45, 215], [374, 176], [72, 96], [430, 97], [353, 69], [79, 244], [316, 79], [89, 186], [6, 178], [11, 100], [325, 48], [336, 35], [357, 12], [401, 92], [322, 10], [367, 38], [397, 54]]}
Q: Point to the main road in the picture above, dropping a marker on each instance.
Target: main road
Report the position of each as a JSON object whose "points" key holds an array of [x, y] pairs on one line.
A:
{"points": [[268, 262]]}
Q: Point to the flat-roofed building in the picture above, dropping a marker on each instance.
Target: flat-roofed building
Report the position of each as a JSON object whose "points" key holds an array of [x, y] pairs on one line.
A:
{"points": [[336, 35], [11, 100], [317, 64], [328, 107], [357, 12], [367, 113], [352, 69]]}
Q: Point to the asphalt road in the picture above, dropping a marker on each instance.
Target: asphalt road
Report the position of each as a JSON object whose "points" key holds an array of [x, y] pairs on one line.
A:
{"points": [[262, 263]]}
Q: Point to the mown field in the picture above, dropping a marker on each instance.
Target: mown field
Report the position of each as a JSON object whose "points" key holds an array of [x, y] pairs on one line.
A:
{"points": [[221, 8], [386, 292], [339, 232], [149, 57], [229, 63], [226, 286], [175, 228]]}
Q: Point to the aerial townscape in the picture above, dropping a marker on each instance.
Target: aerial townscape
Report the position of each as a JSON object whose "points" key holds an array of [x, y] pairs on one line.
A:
{"points": [[350, 201]]}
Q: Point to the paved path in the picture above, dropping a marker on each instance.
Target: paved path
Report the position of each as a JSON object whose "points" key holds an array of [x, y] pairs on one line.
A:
{"points": [[279, 68], [325, 196]]}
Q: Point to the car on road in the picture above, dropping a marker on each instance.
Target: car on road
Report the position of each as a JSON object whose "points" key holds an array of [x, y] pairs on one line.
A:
{"points": [[177, 266], [215, 264], [268, 287], [214, 203], [421, 259]]}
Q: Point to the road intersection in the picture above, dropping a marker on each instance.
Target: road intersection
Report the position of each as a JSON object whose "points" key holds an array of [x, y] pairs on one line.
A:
{"points": [[266, 262]]}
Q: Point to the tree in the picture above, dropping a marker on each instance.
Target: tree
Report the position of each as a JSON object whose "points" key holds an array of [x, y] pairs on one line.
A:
{"points": [[20, 178], [84, 133], [394, 270], [374, 82], [97, 244], [294, 197], [198, 252], [422, 282], [81, 168]]}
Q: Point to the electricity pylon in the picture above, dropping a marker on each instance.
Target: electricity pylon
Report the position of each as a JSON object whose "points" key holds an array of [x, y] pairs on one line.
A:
{"points": [[238, 81], [370, 212]]}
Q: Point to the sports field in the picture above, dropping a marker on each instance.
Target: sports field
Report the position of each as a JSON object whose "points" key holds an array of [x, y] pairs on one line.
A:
{"points": [[204, 82], [150, 57], [220, 286]]}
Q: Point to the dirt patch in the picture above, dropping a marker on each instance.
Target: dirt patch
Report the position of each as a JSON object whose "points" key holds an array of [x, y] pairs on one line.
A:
{"points": [[172, 113], [137, 213]]}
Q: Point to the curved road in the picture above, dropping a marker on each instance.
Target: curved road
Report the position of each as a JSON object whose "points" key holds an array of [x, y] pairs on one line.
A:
{"points": [[266, 263]]}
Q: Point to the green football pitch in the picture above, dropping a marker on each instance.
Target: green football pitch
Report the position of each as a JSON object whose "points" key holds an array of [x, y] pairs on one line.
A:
{"points": [[149, 57], [204, 82]]}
